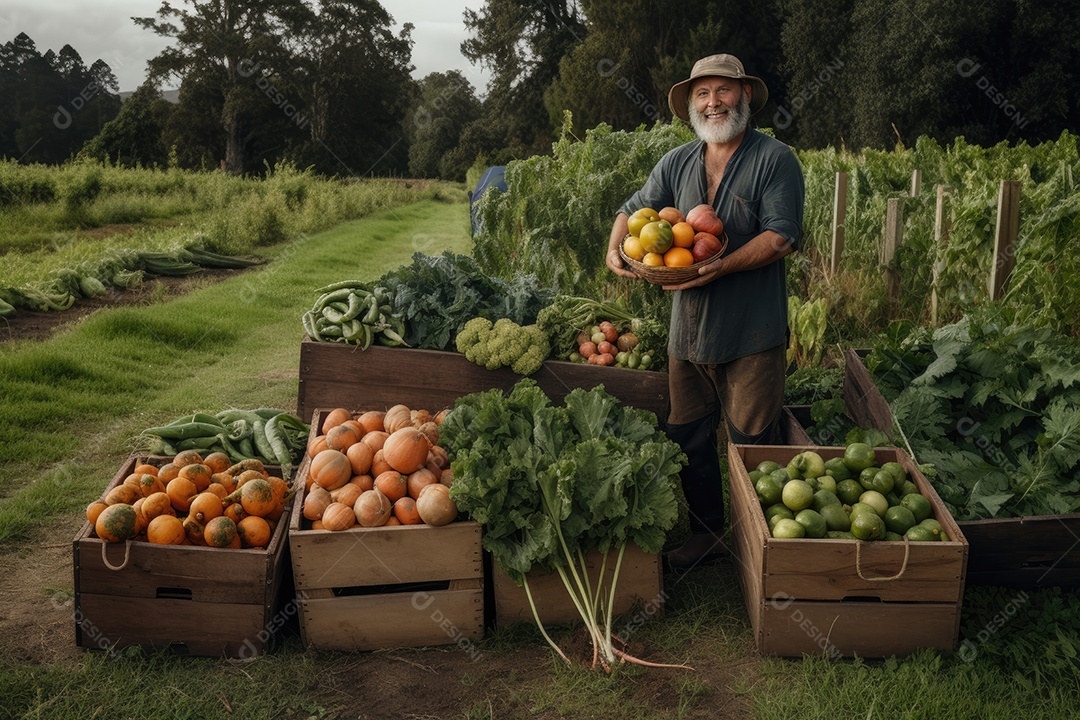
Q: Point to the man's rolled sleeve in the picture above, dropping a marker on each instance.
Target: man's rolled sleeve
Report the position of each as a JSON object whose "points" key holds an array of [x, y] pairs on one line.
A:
{"points": [[782, 202]]}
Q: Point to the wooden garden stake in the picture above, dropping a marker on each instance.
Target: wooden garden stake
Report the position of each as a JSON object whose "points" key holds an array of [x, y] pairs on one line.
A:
{"points": [[839, 214], [1008, 225]]}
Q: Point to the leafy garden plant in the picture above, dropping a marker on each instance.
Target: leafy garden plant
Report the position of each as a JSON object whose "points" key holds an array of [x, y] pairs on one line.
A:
{"points": [[552, 484]]}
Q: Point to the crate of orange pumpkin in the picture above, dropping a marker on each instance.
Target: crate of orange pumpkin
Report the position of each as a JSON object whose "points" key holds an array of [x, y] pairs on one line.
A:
{"points": [[377, 587], [188, 599]]}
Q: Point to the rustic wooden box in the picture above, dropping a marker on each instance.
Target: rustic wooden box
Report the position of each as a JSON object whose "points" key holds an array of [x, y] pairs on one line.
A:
{"points": [[810, 596], [376, 588], [192, 600], [640, 588], [338, 375], [1028, 552]]}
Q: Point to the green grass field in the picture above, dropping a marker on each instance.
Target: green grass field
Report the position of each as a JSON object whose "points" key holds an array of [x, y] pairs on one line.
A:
{"points": [[75, 404]]}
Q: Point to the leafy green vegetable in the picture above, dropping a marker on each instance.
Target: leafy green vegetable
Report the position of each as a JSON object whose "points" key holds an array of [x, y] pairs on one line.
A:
{"points": [[995, 406], [552, 484], [437, 294]]}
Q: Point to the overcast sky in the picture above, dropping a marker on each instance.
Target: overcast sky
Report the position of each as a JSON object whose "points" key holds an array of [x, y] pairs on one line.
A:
{"points": [[103, 30]]}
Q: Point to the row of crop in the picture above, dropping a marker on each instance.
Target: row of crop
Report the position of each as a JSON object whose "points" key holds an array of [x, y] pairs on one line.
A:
{"points": [[120, 271], [55, 217], [555, 218]]}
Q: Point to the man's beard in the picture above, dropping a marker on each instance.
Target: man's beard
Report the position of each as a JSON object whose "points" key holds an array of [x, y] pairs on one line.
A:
{"points": [[737, 120]]}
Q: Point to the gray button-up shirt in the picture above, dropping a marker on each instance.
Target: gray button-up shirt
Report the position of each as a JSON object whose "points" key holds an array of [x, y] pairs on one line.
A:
{"points": [[762, 189]]}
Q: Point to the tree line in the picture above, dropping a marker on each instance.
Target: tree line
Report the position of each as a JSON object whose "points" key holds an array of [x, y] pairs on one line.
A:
{"points": [[329, 85]]}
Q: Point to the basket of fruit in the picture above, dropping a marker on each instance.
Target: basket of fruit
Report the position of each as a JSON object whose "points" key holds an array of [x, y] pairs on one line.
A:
{"points": [[667, 248]]}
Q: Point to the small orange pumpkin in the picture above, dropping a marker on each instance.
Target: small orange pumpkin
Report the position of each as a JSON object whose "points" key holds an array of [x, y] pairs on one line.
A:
{"points": [[371, 420], [205, 507], [341, 437], [122, 494], [116, 523], [372, 509], [220, 532], [330, 469], [257, 497], [393, 485], [338, 516], [360, 456], [93, 510], [334, 418], [181, 492], [218, 462], [254, 531], [186, 457], [166, 530]]}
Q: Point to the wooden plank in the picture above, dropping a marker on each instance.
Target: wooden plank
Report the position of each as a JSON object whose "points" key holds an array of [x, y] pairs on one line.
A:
{"points": [[916, 182], [1027, 552], [748, 533], [894, 238], [794, 431], [941, 238], [185, 627], [864, 403], [825, 569], [400, 619], [640, 586], [337, 375], [1005, 234], [794, 628], [839, 216]]}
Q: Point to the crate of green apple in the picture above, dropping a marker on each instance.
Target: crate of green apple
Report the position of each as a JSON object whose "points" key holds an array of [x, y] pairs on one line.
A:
{"points": [[851, 496], [605, 344]]}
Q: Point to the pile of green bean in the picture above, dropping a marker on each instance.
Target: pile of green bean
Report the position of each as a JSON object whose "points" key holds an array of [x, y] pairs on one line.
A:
{"points": [[273, 436], [351, 313]]}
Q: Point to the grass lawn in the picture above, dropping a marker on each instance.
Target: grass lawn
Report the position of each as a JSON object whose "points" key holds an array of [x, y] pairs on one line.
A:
{"points": [[75, 404]]}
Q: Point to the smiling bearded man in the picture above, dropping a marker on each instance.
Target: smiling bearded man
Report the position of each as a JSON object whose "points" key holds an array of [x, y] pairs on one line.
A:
{"points": [[720, 126], [728, 334]]}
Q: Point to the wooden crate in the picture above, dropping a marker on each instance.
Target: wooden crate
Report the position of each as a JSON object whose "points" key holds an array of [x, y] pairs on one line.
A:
{"points": [[191, 600], [338, 375], [1028, 552], [376, 588], [640, 587], [832, 596]]}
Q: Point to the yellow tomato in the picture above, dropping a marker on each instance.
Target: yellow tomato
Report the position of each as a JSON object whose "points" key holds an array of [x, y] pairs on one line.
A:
{"points": [[632, 248], [640, 219], [653, 259], [656, 237]]}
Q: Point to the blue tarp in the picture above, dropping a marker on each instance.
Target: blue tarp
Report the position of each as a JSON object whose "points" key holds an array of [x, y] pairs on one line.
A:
{"points": [[493, 177]]}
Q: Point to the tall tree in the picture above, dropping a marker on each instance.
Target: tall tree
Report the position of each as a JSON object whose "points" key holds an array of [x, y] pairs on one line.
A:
{"points": [[521, 42], [446, 105], [352, 77], [136, 135], [53, 102], [222, 45]]}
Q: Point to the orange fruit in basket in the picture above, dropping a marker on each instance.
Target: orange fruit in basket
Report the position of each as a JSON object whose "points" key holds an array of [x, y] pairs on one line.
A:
{"points": [[632, 248], [683, 234], [678, 257], [653, 259]]}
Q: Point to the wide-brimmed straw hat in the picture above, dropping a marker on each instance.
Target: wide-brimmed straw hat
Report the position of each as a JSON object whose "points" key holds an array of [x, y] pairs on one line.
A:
{"points": [[723, 65]]}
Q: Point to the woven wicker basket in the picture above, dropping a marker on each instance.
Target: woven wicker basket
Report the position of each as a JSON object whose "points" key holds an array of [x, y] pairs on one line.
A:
{"points": [[664, 275]]}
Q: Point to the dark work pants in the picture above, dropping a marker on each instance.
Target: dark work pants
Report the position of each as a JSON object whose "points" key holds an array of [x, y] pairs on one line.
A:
{"points": [[751, 389]]}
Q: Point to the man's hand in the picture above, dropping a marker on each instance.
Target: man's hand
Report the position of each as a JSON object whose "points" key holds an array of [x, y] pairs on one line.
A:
{"points": [[706, 274], [614, 260], [763, 249]]}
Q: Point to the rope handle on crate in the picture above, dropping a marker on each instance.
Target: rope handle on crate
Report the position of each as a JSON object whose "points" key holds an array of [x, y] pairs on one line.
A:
{"points": [[127, 556], [897, 576]]}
